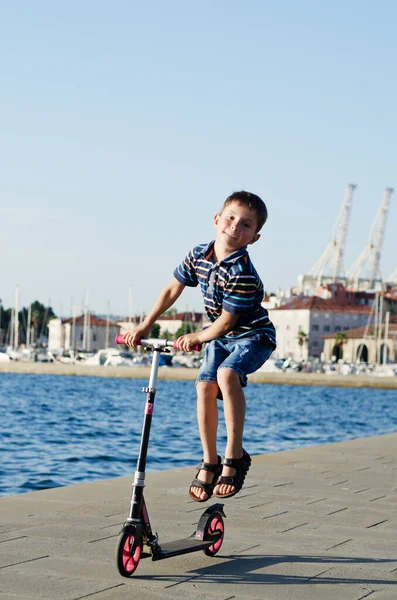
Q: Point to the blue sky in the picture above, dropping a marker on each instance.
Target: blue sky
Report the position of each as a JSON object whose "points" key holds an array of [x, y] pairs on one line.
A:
{"points": [[124, 126]]}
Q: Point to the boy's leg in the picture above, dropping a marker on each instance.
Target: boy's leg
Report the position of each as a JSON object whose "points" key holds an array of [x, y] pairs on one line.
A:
{"points": [[234, 410], [207, 410], [207, 416], [246, 356]]}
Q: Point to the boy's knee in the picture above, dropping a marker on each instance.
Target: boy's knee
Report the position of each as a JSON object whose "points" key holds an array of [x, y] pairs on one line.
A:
{"points": [[206, 389], [227, 377]]}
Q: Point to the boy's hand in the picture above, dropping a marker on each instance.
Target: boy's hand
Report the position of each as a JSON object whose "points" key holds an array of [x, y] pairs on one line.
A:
{"points": [[133, 337], [185, 342]]}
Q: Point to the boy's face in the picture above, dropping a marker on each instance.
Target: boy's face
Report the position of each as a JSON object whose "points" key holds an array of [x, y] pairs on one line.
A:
{"points": [[236, 226]]}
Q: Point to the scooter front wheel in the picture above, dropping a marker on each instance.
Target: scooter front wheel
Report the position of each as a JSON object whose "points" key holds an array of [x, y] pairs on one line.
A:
{"points": [[214, 525], [128, 551]]}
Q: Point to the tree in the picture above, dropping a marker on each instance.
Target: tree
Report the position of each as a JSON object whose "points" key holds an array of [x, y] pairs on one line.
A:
{"points": [[35, 323], [154, 331], [170, 312], [3, 328], [40, 316], [184, 329], [340, 339], [302, 340]]}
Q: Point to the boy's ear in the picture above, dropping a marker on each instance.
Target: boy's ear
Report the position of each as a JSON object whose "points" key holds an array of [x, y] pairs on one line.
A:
{"points": [[216, 219], [255, 238]]}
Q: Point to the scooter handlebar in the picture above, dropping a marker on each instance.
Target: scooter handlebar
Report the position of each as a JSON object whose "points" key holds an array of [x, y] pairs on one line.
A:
{"points": [[120, 340], [156, 342]]}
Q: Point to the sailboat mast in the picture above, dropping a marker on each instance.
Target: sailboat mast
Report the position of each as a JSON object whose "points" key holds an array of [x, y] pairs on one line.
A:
{"points": [[385, 347], [16, 318], [108, 327], [28, 332], [85, 326], [130, 304]]}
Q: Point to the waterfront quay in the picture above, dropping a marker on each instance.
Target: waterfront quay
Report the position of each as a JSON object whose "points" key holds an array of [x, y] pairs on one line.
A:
{"points": [[181, 373], [317, 523]]}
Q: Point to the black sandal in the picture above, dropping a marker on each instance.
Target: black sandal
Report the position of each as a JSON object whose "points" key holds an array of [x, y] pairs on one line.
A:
{"points": [[242, 466], [207, 487]]}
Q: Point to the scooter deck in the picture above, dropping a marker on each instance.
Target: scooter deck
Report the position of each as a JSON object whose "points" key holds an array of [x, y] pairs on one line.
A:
{"points": [[183, 546]]}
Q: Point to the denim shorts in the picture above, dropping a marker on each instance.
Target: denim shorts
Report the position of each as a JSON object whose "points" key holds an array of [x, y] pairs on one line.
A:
{"points": [[243, 356]]}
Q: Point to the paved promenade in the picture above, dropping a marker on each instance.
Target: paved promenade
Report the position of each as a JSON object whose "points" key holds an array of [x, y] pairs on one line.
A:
{"points": [[311, 524], [287, 378]]}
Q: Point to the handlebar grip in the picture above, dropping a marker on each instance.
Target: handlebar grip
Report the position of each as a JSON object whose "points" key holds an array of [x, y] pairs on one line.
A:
{"points": [[196, 347], [120, 340]]}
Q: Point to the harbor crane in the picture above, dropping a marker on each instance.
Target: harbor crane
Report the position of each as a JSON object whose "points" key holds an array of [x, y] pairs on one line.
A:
{"points": [[334, 252], [392, 278], [371, 254]]}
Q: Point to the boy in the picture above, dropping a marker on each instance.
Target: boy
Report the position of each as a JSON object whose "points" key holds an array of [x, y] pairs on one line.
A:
{"points": [[241, 337]]}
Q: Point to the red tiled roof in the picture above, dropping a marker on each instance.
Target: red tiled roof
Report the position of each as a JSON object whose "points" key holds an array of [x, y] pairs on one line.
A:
{"points": [[321, 305], [93, 320], [358, 332]]}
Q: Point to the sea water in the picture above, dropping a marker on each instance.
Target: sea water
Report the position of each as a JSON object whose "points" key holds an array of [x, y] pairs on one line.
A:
{"points": [[60, 430]]}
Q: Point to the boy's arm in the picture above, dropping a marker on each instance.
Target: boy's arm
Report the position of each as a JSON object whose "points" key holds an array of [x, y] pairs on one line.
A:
{"points": [[168, 296], [223, 324]]}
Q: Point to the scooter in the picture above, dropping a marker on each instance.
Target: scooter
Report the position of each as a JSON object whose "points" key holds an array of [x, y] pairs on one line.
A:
{"points": [[136, 540]]}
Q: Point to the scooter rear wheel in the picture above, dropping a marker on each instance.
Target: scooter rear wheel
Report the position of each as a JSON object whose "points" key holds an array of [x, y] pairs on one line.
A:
{"points": [[128, 551], [214, 525]]}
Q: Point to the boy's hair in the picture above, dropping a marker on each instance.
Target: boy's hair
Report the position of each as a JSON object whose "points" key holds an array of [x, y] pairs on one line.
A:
{"points": [[251, 201]]}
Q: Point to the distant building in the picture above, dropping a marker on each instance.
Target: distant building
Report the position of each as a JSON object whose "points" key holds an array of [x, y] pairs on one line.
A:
{"points": [[76, 334], [307, 319], [98, 333], [169, 324], [276, 299], [362, 345], [344, 295]]}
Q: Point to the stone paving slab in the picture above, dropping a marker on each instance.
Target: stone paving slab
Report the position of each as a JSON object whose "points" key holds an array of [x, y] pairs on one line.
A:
{"points": [[314, 523]]}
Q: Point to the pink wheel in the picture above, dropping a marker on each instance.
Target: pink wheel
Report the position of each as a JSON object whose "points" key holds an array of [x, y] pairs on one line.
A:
{"points": [[128, 552], [214, 525]]}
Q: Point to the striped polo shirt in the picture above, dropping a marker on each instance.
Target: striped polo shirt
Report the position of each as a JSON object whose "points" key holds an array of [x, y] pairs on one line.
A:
{"points": [[231, 284]]}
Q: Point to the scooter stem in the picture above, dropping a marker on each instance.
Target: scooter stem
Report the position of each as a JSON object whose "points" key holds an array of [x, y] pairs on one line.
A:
{"points": [[140, 473], [154, 369]]}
